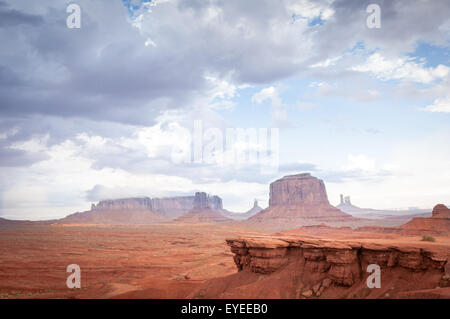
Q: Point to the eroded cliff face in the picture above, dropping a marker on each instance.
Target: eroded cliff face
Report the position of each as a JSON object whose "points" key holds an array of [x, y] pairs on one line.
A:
{"points": [[172, 206], [297, 200], [331, 263], [206, 210], [168, 207], [294, 190], [440, 211], [138, 203], [142, 210]]}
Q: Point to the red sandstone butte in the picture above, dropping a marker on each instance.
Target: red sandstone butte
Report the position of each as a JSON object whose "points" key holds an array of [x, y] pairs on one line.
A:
{"points": [[202, 212], [439, 222], [299, 200]]}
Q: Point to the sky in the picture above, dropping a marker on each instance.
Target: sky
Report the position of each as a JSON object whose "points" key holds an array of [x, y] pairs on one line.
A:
{"points": [[102, 111]]}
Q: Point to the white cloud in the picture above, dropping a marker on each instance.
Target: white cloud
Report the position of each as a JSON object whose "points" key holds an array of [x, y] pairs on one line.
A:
{"points": [[264, 94], [311, 9], [327, 62], [402, 69], [439, 105], [419, 172], [279, 116]]}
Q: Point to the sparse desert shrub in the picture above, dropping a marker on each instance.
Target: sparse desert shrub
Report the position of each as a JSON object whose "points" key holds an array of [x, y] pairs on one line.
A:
{"points": [[428, 238]]}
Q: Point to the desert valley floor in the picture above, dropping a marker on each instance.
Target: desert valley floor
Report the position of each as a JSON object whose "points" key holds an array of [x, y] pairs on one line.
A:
{"points": [[157, 261], [152, 261], [190, 247]]}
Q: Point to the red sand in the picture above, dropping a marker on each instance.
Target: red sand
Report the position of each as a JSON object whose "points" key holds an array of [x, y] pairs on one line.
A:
{"points": [[153, 261]]}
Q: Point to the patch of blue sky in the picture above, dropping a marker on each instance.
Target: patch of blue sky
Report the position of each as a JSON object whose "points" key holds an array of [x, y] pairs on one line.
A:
{"points": [[312, 22], [432, 55], [134, 5]]}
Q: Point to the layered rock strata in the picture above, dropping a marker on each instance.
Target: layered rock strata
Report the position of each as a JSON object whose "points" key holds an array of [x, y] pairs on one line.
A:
{"points": [[299, 200], [439, 222], [206, 210], [342, 263]]}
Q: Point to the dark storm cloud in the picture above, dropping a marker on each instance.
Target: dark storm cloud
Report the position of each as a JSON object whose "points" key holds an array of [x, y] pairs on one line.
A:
{"points": [[103, 71], [102, 79], [10, 17], [16, 158], [403, 24]]}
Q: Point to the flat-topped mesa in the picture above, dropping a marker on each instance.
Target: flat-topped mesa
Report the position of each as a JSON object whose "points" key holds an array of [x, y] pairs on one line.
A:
{"points": [[300, 189], [142, 210], [173, 206], [168, 206], [138, 203], [215, 202], [206, 210]]}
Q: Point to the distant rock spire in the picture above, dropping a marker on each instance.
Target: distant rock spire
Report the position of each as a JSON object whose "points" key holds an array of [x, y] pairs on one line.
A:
{"points": [[347, 200]]}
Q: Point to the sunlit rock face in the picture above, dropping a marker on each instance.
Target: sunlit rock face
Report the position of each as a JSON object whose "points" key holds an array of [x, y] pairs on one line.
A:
{"points": [[299, 200], [294, 190]]}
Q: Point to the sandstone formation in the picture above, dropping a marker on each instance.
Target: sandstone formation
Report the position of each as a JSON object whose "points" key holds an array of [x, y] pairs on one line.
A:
{"points": [[254, 210], [392, 217], [205, 210], [299, 200], [170, 206], [143, 203], [296, 190], [141, 210], [302, 267], [340, 261], [440, 211], [243, 216], [439, 222]]}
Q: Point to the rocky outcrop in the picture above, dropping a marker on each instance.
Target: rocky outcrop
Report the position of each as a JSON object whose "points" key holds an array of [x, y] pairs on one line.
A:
{"points": [[205, 209], [296, 190], [254, 210], [392, 217], [143, 203], [243, 216], [439, 222], [172, 207], [204, 201], [440, 211], [338, 262], [301, 266], [297, 200], [143, 210]]}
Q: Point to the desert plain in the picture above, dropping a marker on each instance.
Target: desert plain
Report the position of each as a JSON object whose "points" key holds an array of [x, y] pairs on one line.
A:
{"points": [[299, 247]]}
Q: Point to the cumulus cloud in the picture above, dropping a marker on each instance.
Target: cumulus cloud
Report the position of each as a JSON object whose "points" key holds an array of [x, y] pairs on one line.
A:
{"points": [[402, 69], [106, 103], [439, 105]]}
